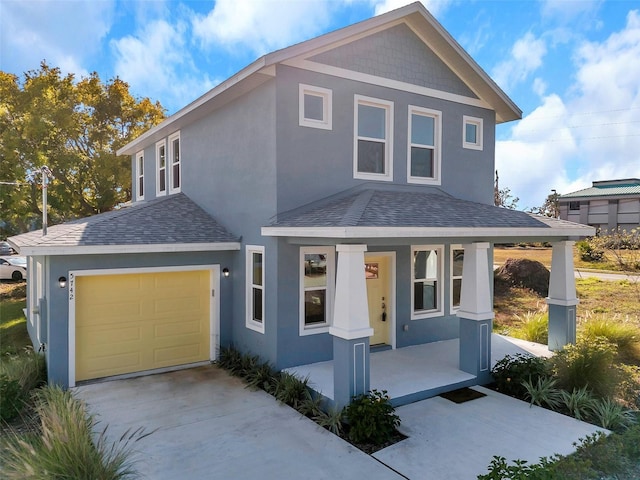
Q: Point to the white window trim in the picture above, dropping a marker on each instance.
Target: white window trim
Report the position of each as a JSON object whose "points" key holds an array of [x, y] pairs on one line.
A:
{"points": [[440, 293], [330, 252], [250, 322], [161, 143], [388, 142], [171, 138], [327, 100], [452, 308], [139, 175], [437, 147], [478, 122]]}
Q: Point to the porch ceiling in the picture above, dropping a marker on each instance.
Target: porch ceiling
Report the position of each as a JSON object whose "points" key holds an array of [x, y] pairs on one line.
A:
{"points": [[388, 213]]}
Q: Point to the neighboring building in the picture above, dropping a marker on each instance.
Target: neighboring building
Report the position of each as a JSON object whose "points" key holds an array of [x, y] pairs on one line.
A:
{"points": [[332, 195], [607, 205]]}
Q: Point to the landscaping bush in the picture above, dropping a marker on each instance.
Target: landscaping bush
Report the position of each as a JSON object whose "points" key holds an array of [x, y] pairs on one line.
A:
{"points": [[512, 371], [11, 398], [590, 251], [19, 375], [63, 448], [587, 364], [371, 418], [532, 326], [625, 336], [543, 393]]}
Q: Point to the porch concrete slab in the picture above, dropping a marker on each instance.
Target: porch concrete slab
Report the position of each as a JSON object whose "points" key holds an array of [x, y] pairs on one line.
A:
{"points": [[206, 424], [456, 441]]}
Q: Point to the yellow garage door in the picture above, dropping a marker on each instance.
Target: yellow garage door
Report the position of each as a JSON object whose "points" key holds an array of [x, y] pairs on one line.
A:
{"points": [[135, 322]]}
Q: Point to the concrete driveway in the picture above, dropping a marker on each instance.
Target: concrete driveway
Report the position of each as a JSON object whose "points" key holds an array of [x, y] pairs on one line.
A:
{"points": [[208, 425]]}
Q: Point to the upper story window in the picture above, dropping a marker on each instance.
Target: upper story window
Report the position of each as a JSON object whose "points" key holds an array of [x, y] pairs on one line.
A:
{"points": [[255, 288], [423, 153], [472, 132], [140, 176], [317, 280], [161, 168], [574, 205], [426, 294], [457, 259], [315, 107], [175, 168], [373, 145]]}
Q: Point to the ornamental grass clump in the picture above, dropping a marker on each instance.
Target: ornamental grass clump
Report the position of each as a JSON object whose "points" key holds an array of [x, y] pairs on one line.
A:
{"points": [[64, 447], [624, 335], [533, 327]]}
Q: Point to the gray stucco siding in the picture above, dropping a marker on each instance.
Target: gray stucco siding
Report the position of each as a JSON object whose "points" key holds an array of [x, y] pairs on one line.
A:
{"points": [[58, 298], [314, 163]]}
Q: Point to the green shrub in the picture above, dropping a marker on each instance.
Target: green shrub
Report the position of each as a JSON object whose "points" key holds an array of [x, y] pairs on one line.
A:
{"points": [[291, 390], [499, 469], [532, 326], [579, 403], [63, 448], [587, 364], [332, 420], [543, 392], [590, 251], [611, 415], [262, 376], [371, 418], [11, 398], [625, 336], [510, 373]]}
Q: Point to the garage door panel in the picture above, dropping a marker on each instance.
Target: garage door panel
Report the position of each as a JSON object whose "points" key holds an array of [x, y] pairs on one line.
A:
{"points": [[145, 321]]}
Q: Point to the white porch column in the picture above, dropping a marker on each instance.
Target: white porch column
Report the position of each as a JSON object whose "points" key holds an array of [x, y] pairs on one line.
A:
{"points": [[350, 329], [562, 299], [476, 312]]}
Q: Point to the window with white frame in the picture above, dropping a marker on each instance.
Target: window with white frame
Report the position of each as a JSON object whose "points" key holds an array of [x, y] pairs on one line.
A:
{"points": [[175, 167], [315, 107], [373, 146], [161, 168], [472, 132], [255, 288], [423, 153], [317, 279], [140, 176], [426, 294], [457, 258]]}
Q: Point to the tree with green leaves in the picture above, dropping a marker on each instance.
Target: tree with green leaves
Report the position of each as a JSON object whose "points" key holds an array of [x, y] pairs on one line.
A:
{"points": [[74, 128]]}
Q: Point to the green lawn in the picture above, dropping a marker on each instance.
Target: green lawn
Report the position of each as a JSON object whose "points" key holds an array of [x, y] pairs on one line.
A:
{"points": [[13, 326]]}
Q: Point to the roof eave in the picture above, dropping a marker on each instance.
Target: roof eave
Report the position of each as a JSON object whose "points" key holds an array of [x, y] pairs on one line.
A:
{"points": [[51, 250]]}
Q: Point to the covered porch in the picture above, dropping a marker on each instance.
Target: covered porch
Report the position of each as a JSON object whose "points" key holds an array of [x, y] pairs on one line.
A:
{"points": [[417, 372]]}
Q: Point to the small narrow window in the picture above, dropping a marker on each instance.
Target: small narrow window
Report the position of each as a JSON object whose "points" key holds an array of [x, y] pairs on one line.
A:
{"points": [[315, 107], [427, 282], [140, 176], [472, 133], [175, 166], [255, 288], [423, 159], [317, 279], [161, 168], [457, 259], [373, 149]]}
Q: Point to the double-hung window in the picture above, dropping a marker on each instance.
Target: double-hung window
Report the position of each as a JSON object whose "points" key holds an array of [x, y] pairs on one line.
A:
{"points": [[161, 168], [175, 167], [315, 107], [423, 152], [457, 259], [373, 146], [317, 278], [472, 132], [255, 288], [140, 176], [426, 294]]}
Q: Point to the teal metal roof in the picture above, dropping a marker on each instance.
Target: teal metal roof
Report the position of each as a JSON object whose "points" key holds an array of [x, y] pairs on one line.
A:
{"points": [[632, 188]]}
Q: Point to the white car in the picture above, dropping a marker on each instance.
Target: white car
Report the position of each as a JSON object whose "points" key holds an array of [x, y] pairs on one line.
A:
{"points": [[13, 267]]}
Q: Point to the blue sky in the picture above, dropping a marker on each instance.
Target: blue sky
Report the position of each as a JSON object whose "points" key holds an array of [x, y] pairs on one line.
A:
{"points": [[572, 66]]}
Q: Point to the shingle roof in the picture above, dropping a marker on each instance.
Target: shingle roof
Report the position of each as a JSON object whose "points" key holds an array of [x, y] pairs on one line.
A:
{"points": [[168, 221], [630, 188], [416, 211]]}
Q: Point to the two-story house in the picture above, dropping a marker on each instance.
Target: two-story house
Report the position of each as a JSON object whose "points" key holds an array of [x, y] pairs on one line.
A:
{"points": [[331, 198], [608, 205]]}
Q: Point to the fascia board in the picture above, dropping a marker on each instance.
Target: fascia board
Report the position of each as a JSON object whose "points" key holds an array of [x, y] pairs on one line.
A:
{"points": [[124, 249]]}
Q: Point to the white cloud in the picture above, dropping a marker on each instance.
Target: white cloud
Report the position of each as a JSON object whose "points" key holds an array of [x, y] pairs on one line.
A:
{"points": [[566, 10], [435, 7], [156, 61], [260, 26], [526, 57], [64, 33], [591, 134]]}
